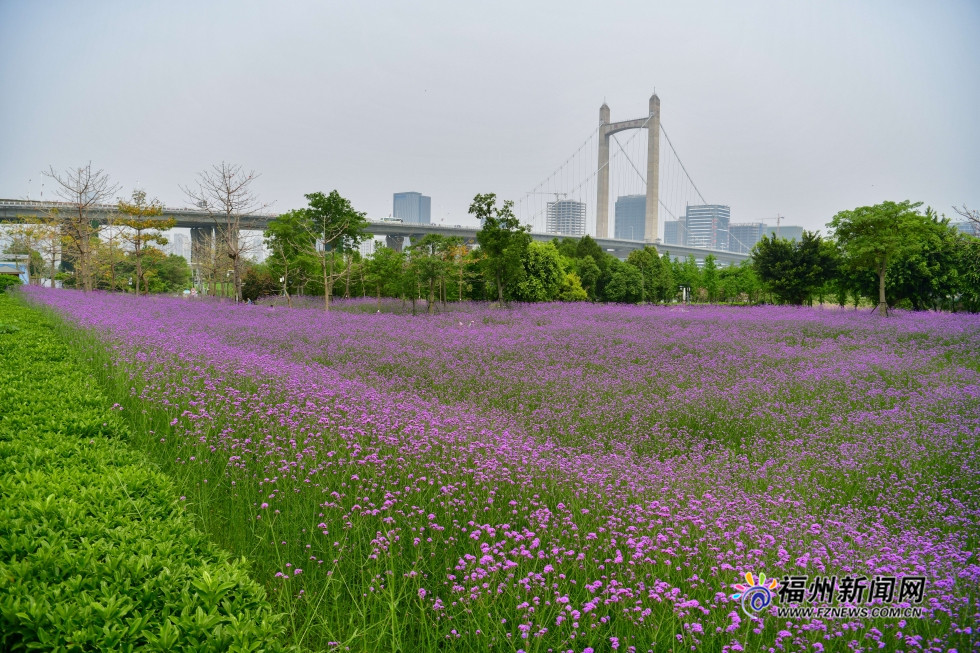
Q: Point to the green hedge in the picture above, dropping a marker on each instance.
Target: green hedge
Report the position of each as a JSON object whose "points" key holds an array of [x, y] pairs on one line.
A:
{"points": [[96, 550], [8, 280]]}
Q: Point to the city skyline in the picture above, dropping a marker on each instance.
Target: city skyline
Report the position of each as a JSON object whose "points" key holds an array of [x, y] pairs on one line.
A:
{"points": [[806, 128]]}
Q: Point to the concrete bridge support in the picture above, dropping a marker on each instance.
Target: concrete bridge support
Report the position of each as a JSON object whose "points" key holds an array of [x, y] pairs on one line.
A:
{"points": [[395, 242], [202, 240], [651, 123]]}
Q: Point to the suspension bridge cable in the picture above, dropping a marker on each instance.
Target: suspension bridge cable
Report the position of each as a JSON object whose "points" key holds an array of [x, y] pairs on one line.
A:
{"points": [[642, 178], [703, 201]]}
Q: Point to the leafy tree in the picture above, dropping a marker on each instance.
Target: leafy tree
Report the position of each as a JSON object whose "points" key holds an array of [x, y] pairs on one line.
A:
{"points": [[543, 276], [290, 261], [738, 283], [458, 254], [929, 276], [709, 277], [572, 290], [588, 247], [648, 261], [161, 273], [588, 271], [428, 264], [384, 271], [687, 274], [567, 247], [258, 281], [143, 227], [969, 267], [874, 236], [171, 272], [503, 239], [793, 270], [665, 286], [479, 288], [332, 226], [625, 283]]}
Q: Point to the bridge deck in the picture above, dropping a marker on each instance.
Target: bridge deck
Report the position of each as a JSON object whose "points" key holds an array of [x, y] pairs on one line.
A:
{"points": [[15, 210]]}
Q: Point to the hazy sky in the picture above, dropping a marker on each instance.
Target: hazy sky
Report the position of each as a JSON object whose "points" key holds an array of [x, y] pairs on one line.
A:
{"points": [[796, 108]]}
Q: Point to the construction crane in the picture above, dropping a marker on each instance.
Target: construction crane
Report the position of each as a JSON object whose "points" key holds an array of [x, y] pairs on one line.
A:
{"points": [[557, 195], [778, 219]]}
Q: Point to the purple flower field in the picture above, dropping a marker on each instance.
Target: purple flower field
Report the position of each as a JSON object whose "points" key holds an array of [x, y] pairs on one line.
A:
{"points": [[563, 477]]}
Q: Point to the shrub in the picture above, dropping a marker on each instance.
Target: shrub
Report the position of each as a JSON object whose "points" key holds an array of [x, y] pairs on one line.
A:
{"points": [[8, 280], [96, 551]]}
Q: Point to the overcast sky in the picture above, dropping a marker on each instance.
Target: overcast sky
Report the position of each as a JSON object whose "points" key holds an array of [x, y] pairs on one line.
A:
{"points": [[793, 108]]}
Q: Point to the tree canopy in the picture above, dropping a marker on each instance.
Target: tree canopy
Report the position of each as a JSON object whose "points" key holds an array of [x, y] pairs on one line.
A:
{"points": [[872, 237], [503, 241], [793, 270]]}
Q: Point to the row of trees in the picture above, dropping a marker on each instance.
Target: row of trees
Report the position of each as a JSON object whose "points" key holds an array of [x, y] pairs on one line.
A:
{"points": [[87, 247], [95, 241], [891, 253], [313, 251], [888, 254]]}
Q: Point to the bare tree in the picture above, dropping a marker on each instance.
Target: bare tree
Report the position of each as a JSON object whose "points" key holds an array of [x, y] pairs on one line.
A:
{"points": [[205, 257], [224, 193], [972, 215], [86, 191]]}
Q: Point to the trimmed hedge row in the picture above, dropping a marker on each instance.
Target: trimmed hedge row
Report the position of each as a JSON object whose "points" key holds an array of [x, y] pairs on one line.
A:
{"points": [[96, 551]]}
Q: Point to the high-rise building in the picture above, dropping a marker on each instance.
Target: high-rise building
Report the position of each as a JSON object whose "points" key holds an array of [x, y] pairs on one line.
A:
{"points": [[707, 225], [182, 245], [787, 231], [744, 236], [413, 207], [674, 232], [967, 227], [566, 217], [630, 216], [367, 247]]}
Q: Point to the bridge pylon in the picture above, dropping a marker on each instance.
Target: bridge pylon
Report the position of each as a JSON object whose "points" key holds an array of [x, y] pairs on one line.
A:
{"points": [[651, 123]]}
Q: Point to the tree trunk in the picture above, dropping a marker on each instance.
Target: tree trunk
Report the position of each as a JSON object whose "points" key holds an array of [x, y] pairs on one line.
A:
{"points": [[139, 264], [350, 260], [431, 308], [53, 266], [882, 304], [237, 274], [112, 264], [500, 289], [326, 290]]}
